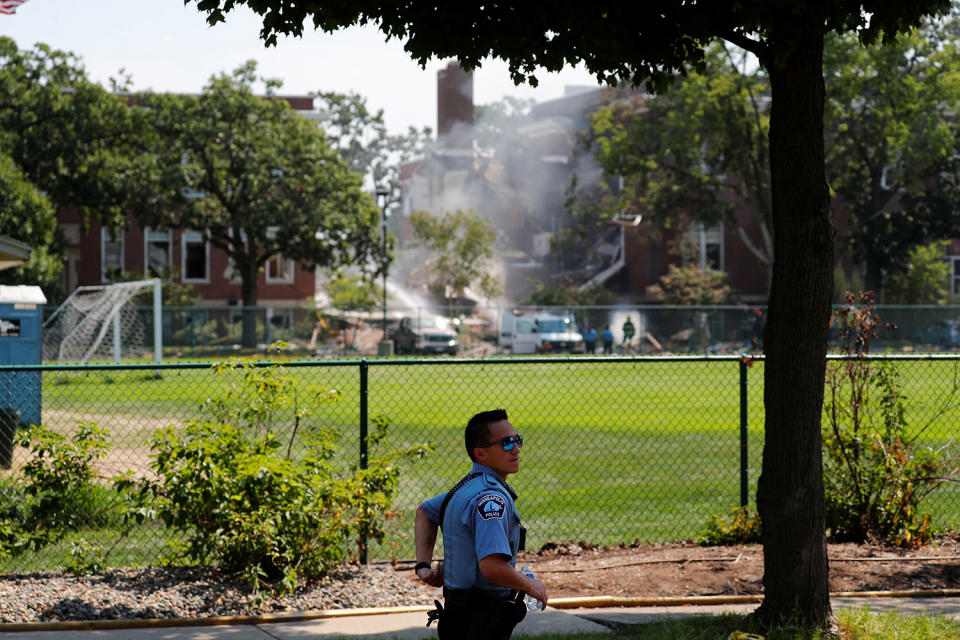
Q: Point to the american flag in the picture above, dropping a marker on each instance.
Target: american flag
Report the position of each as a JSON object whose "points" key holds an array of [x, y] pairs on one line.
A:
{"points": [[9, 7]]}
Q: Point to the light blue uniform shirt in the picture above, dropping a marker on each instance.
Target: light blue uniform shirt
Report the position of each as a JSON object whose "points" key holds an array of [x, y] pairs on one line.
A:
{"points": [[486, 523]]}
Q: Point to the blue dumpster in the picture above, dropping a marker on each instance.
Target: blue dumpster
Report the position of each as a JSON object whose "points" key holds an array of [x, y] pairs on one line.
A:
{"points": [[21, 342]]}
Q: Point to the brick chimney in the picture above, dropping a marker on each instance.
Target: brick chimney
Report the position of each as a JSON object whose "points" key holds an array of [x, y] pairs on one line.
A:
{"points": [[454, 107]]}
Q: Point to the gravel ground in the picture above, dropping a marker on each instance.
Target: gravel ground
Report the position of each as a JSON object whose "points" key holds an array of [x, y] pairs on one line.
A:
{"points": [[187, 592]]}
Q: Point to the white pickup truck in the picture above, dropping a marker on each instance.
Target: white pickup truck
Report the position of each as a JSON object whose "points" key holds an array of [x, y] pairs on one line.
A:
{"points": [[540, 332]]}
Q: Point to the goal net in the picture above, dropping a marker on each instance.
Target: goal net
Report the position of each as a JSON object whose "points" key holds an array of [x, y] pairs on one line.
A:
{"points": [[102, 322]]}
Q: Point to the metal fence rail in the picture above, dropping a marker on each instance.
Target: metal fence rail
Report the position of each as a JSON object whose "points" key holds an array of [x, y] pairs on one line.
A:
{"points": [[616, 449], [199, 331]]}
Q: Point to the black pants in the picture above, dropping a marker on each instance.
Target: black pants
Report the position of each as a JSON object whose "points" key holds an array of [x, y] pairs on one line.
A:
{"points": [[477, 615]]}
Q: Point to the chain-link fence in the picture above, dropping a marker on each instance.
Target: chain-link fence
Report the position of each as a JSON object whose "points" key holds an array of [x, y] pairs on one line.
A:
{"points": [[480, 330], [616, 449]]}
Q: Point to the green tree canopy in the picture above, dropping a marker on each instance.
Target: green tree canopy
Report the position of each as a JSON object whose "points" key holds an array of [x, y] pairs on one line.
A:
{"points": [[28, 216], [923, 279], [690, 155], [360, 136], [689, 284], [353, 291], [68, 138], [460, 246], [71, 137], [258, 180], [890, 127], [640, 42]]}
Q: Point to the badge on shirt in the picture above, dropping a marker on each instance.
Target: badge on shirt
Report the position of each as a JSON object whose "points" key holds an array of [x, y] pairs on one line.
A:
{"points": [[491, 506]]}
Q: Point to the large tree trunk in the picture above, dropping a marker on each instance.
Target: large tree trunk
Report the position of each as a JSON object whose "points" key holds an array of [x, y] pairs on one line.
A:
{"points": [[790, 495], [248, 293]]}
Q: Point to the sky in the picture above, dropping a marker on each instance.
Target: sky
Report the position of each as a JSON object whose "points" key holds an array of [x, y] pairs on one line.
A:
{"points": [[166, 46]]}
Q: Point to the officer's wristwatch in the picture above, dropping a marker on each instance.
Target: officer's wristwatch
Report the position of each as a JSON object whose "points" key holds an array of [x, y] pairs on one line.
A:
{"points": [[420, 565]]}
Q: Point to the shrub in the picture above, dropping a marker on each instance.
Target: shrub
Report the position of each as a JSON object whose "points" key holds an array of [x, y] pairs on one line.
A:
{"points": [[875, 473], [268, 503], [740, 526], [60, 488], [59, 493]]}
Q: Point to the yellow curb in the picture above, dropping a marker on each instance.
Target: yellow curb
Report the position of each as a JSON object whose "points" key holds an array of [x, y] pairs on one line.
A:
{"points": [[593, 602]]}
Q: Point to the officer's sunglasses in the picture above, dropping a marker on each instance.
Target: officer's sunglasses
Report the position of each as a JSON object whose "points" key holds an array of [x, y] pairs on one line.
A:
{"points": [[506, 443]]}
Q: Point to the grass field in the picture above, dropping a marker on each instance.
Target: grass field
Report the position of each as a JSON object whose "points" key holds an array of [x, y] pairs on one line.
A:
{"points": [[615, 449], [852, 624]]}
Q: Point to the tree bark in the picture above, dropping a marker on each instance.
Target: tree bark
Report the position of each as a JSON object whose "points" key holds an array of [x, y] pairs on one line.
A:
{"points": [[790, 495], [248, 295]]}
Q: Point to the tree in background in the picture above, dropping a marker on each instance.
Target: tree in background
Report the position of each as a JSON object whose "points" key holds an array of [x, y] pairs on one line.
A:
{"points": [[890, 127], [360, 137], [924, 278], [259, 181], [652, 41], [496, 126], [351, 291], [689, 284], [68, 138], [27, 215], [570, 295], [460, 244], [690, 155]]}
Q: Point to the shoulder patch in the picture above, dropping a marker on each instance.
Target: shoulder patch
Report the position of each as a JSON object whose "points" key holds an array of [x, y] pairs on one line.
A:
{"points": [[490, 506]]}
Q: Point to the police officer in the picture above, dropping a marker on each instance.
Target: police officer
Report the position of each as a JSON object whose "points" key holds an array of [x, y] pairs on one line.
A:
{"points": [[482, 534]]}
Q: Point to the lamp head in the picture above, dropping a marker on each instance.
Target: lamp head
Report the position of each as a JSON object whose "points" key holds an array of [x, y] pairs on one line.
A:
{"points": [[382, 194]]}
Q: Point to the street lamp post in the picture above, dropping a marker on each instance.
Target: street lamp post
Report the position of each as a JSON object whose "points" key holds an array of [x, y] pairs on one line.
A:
{"points": [[385, 347]]}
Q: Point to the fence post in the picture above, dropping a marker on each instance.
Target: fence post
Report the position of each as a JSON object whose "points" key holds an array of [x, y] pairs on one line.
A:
{"points": [[364, 368], [744, 458]]}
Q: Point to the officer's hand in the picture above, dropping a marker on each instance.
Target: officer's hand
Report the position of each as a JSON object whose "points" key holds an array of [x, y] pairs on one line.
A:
{"points": [[432, 576], [538, 590]]}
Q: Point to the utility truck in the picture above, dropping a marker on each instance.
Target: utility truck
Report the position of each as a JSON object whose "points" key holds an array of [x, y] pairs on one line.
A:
{"points": [[424, 334], [537, 331]]}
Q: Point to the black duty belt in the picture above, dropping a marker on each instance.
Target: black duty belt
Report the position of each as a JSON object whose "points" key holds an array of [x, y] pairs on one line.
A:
{"points": [[464, 594]]}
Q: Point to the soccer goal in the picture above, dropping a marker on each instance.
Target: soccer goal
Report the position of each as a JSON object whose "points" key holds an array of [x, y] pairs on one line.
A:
{"points": [[97, 322]]}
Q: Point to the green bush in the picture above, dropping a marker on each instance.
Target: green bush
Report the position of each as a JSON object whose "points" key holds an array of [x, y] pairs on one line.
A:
{"points": [[875, 473], [59, 494], [740, 526], [60, 476], [257, 494]]}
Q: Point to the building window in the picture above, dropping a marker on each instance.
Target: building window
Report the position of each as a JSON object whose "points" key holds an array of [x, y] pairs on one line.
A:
{"points": [[955, 275], [111, 250], [196, 257], [705, 247], [158, 256], [279, 269]]}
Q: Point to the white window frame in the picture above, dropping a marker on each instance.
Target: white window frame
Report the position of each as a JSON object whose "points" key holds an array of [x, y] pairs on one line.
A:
{"points": [[701, 237], [231, 274], [104, 239], [954, 275], [290, 266], [152, 235], [191, 237]]}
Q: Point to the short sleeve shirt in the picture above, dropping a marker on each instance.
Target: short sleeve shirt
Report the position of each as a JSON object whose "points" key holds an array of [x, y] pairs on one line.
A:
{"points": [[486, 516]]}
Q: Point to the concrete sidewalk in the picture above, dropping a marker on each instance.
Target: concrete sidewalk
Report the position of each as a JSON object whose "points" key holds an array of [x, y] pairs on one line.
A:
{"points": [[410, 625]]}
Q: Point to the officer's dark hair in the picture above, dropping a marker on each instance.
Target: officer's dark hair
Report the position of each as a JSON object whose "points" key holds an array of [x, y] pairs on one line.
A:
{"points": [[477, 432]]}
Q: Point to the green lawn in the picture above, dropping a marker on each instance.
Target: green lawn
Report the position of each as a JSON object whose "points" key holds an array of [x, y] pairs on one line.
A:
{"points": [[616, 450], [852, 624]]}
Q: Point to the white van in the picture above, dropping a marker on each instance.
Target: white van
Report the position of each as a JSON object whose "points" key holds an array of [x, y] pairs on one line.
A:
{"points": [[540, 332]]}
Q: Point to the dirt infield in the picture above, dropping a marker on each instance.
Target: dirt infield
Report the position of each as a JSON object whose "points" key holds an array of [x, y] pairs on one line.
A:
{"points": [[671, 570], [129, 438]]}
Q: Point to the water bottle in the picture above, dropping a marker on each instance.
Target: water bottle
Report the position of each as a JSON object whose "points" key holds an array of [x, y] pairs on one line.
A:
{"points": [[532, 603]]}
